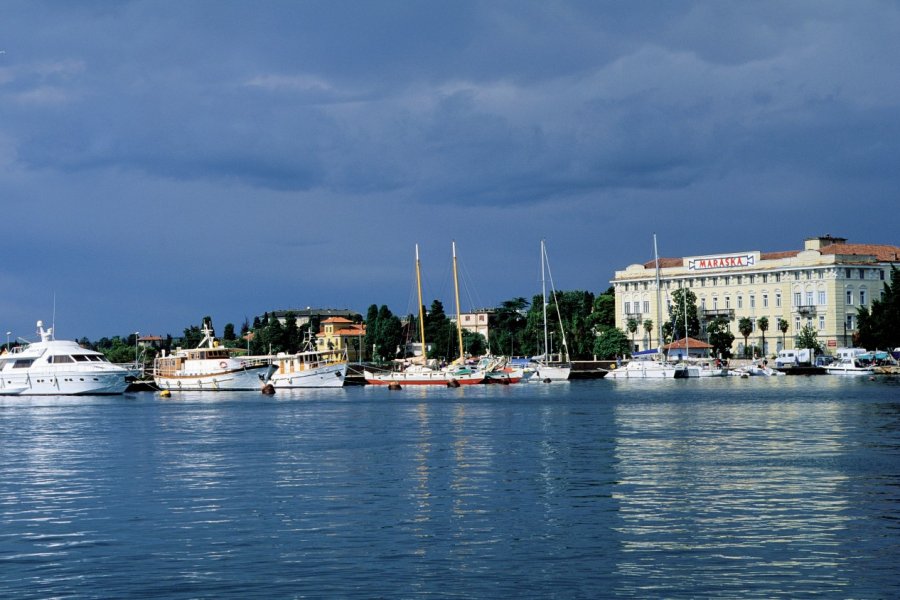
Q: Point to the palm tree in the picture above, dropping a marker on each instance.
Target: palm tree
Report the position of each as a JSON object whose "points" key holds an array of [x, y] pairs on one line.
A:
{"points": [[632, 326], [745, 326], [763, 324], [648, 327], [782, 327]]}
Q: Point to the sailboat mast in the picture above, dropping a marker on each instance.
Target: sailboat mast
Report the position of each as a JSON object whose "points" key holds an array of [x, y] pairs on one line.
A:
{"points": [[658, 300], [421, 306], [462, 354], [544, 298]]}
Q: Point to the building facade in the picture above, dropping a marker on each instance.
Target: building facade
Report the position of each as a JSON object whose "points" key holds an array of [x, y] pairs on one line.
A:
{"points": [[822, 285], [339, 334]]}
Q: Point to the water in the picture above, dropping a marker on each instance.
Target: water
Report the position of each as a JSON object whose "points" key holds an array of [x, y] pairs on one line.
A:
{"points": [[750, 488]]}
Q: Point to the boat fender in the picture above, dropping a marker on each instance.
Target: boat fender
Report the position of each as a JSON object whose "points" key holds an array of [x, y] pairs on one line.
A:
{"points": [[394, 386], [268, 389], [223, 364], [165, 394], [453, 383]]}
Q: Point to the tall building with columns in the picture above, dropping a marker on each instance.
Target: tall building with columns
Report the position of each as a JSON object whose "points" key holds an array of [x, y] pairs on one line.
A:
{"points": [[822, 285]]}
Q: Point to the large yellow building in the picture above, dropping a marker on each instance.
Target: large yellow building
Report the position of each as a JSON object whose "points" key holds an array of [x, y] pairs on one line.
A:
{"points": [[822, 285]]}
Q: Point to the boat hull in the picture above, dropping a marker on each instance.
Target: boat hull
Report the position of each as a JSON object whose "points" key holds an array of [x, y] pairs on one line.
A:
{"points": [[248, 378], [419, 378], [327, 376], [635, 370], [64, 383]]}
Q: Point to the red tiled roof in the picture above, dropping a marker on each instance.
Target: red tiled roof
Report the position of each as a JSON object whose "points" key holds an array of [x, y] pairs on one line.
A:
{"points": [[337, 320], [691, 344], [882, 253], [664, 263], [778, 255]]}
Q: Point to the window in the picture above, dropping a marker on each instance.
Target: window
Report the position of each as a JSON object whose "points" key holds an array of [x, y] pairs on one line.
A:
{"points": [[753, 324], [777, 277], [862, 297], [882, 275], [740, 301], [765, 277], [752, 301], [765, 301], [862, 274], [727, 301], [60, 359], [715, 303], [847, 273], [821, 322], [796, 275], [627, 307], [809, 298], [797, 299], [702, 303], [778, 300], [740, 279], [849, 297], [646, 306], [753, 279], [849, 321], [23, 363], [821, 274], [796, 323], [821, 297]]}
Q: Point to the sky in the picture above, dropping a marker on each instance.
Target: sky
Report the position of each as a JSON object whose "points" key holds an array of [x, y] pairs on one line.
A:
{"points": [[163, 161]]}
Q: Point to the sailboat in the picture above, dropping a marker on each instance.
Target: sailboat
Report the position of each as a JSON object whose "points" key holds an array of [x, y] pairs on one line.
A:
{"points": [[542, 366], [417, 371], [655, 368]]}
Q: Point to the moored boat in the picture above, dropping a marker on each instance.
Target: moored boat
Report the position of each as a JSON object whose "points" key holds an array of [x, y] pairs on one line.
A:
{"points": [[643, 369], [54, 367], [308, 369], [210, 367], [850, 366]]}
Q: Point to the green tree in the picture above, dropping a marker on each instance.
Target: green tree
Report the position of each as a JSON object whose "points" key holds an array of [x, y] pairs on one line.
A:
{"points": [[611, 343], [290, 335], [783, 327], [807, 338], [720, 337], [632, 326], [474, 343], [648, 327], [509, 327], [684, 301], [763, 324], [745, 326], [228, 333], [603, 315], [879, 325]]}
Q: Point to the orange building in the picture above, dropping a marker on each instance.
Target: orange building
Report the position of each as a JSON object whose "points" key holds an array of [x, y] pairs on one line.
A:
{"points": [[340, 334]]}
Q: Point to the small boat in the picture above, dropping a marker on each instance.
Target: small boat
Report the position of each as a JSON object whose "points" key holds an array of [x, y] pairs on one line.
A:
{"points": [[699, 369], [54, 367], [643, 369], [308, 369], [210, 367], [757, 370], [850, 366]]}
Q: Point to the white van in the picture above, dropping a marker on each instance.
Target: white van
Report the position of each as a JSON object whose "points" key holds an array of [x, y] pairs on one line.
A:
{"points": [[794, 358]]}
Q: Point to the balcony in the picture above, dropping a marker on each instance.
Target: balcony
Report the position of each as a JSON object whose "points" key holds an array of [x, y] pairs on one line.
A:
{"points": [[634, 315], [714, 313], [806, 310]]}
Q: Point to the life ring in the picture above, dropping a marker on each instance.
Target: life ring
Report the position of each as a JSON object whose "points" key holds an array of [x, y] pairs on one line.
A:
{"points": [[223, 365]]}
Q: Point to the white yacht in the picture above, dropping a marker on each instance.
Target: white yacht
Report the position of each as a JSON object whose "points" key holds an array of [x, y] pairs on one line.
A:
{"points": [[309, 368], [54, 367], [643, 369], [849, 366], [210, 367]]}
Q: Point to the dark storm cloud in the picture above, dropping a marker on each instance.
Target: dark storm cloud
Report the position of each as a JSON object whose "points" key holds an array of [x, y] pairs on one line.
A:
{"points": [[337, 128]]}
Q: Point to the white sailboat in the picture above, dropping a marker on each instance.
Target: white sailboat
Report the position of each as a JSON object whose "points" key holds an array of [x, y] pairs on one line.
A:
{"points": [[649, 369], [545, 369]]}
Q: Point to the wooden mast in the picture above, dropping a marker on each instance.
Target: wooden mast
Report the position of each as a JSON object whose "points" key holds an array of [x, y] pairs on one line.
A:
{"points": [[421, 307], [462, 354]]}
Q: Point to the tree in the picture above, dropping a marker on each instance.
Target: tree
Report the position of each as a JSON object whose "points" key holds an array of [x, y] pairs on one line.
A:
{"points": [[474, 343], [879, 325], [807, 338], [632, 326], [783, 326], [648, 327], [611, 343], [763, 324], [509, 327], [228, 333], [290, 340], [574, 310], [684, 301], [720, 337], [603, 315], [745, 326]]}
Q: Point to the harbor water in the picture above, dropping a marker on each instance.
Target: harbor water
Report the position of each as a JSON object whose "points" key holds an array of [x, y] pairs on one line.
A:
{"points": [[782, 487]]}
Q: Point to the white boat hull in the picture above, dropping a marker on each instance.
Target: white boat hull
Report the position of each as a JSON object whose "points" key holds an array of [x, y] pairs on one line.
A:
{"points": [[249, 378], [423, 377], [549, 373], [64, 383], [642, 370], [318, 377], [850, 370]]}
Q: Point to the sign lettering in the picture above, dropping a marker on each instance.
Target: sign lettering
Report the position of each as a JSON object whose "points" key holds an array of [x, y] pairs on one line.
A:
{"points": [[721, 262]]}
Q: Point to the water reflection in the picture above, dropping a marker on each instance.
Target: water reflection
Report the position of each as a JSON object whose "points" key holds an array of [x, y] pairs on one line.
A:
{"points": [[728, 495]]}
